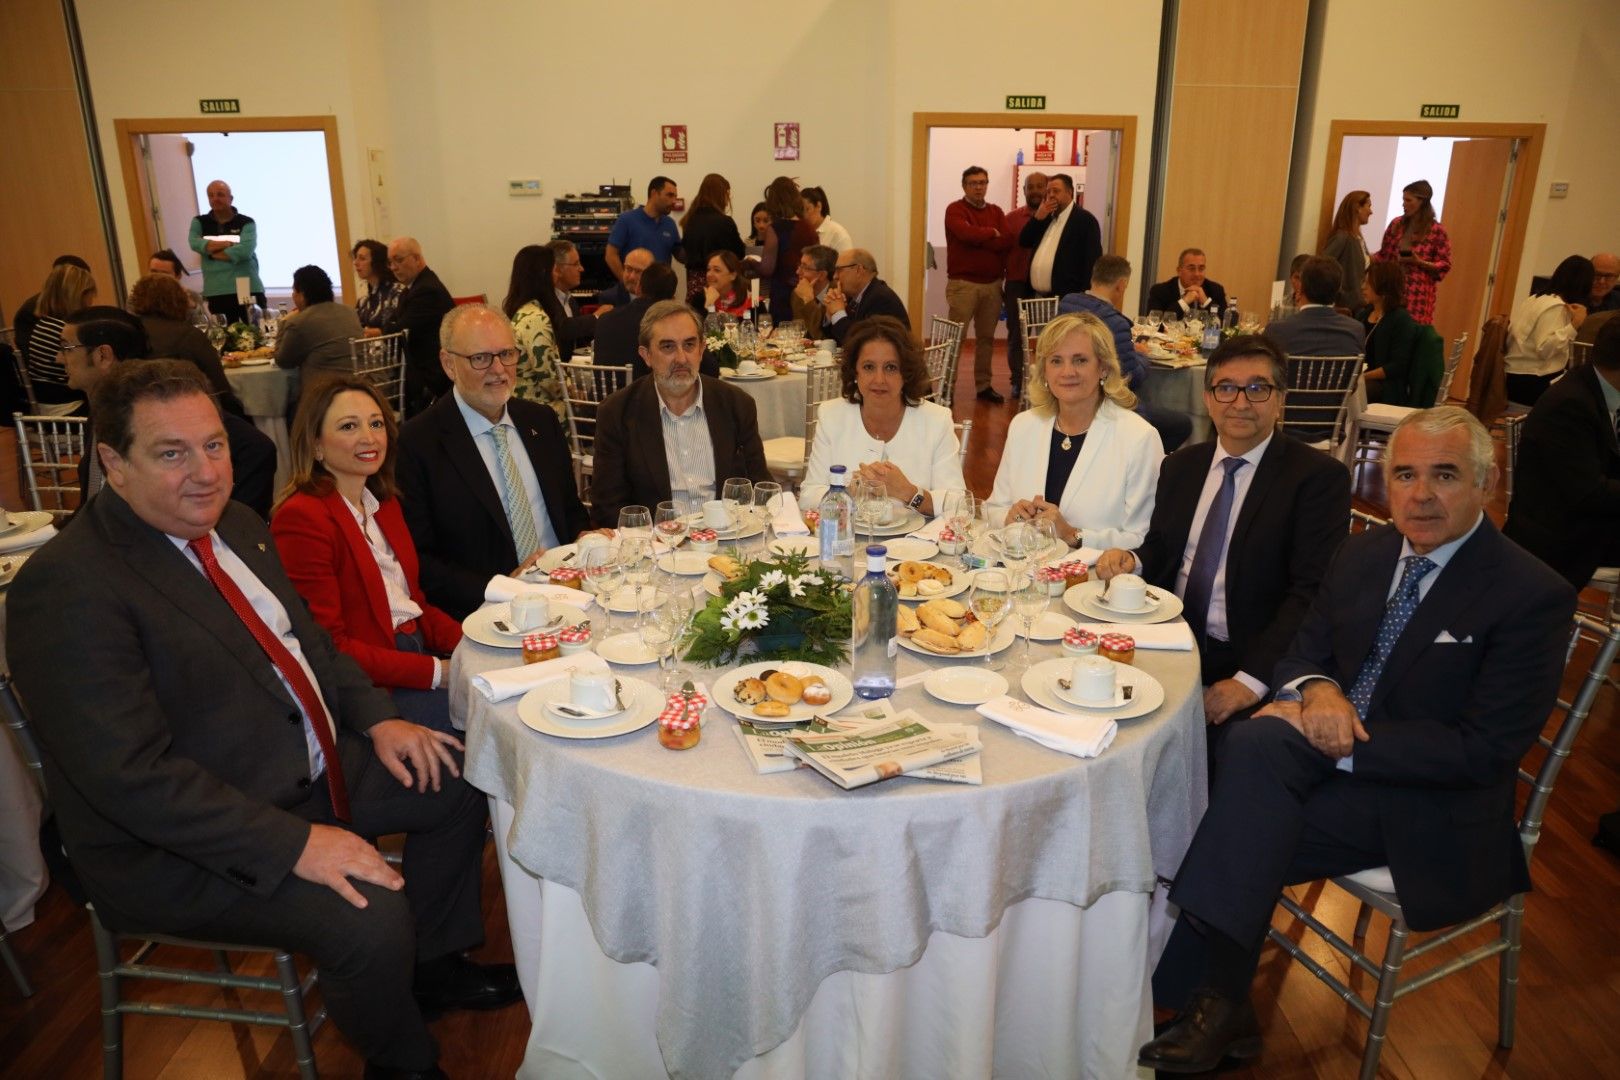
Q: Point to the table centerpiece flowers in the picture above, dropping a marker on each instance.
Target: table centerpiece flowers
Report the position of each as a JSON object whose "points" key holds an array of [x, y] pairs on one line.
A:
{"points": [[716, 345], [776, 609], [242, 337]]}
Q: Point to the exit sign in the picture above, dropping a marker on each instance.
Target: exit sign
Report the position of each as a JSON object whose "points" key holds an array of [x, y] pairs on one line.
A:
{"points": [[219, 105], [1440, 112], [1026, 101]]}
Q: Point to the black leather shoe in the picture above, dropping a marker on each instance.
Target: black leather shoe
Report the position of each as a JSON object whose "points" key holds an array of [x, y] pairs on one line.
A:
{"points": [[455, 982], [1209, 1030], [382, 1072], [990, 394]]}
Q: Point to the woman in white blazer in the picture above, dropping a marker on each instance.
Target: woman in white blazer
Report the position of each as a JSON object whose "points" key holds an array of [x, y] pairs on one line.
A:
{"points": [[881, 429], [1079, 457]]}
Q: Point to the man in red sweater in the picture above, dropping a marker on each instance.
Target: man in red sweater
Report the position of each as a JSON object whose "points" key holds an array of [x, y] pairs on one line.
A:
{"points": [[976, 245], [1018, 286]]}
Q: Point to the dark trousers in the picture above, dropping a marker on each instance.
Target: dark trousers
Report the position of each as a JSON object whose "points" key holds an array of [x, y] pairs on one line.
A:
{"points": [[1527, 389], [1174, 428], [1280, 813], [367, 957], [229, 307], [1012, 292], [430, 708]]}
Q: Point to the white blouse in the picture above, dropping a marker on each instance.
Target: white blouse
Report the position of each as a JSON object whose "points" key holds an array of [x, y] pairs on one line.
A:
{"points": [[1539, 337], [925, 449]]}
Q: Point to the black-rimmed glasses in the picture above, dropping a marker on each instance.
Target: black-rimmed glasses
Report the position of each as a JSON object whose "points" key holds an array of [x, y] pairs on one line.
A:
{"points": [[1226, 392], [480, 361]]}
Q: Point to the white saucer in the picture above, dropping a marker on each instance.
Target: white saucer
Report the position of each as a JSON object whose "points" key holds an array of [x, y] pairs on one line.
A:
{"points": [[901, 521], [623, 600], [737, 376], [1083, 599], [1116, 702], [913, 548], [1040, 686], [643, 703], [964, 685], [686, 563], [1051, 626], [627, 649], [480, 626], [553, 558]]}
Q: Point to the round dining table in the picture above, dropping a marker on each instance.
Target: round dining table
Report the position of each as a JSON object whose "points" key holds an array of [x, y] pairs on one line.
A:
{"points": [[680, 914], [779, 400], [1179, 387], [265, 390]]}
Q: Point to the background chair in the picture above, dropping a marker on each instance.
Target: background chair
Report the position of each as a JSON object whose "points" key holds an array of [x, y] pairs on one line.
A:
{"points": [[787, 455], [1318, 389], [963, 430], [1384, 418], [585, 387], [943, 331], [381, 359], [937, 359], [1034, 314], [48, 451], [17, 723]]}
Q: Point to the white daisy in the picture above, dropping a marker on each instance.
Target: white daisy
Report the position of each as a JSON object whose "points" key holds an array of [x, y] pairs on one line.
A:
{"points": [[754, 619], [770, 579]]}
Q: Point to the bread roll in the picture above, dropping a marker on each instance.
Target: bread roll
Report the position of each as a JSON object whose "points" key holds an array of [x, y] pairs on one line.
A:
{"points": [[934, 641], [749, 691], [906, 622], [951, 609], [726, 567], [771, 708], [972, 637], [934, 619]]}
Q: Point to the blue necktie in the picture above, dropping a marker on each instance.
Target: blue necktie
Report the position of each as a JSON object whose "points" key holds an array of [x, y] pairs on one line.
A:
{"points": [[1211, 550], [1396, 615]]}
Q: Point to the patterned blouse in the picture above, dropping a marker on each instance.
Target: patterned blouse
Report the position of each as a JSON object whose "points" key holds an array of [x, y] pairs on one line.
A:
{"points": [[539, 377], [1421, 283], [379, 304]]}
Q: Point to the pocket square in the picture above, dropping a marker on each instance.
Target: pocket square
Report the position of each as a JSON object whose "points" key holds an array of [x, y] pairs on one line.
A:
{"points": [[1446, 638]]}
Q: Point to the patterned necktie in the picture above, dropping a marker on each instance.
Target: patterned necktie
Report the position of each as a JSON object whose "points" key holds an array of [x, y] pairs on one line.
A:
{"points": [[1397, 613], [96, 478], [1208, 555], [519, 511], [1617, 425], [290, 670]]}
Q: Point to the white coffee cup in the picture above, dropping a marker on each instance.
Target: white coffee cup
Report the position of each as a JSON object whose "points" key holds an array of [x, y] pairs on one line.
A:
{"points": [[715, 515], [592, 690], [1091, 678], [1127, 592], [747, 367], [530, 610]]}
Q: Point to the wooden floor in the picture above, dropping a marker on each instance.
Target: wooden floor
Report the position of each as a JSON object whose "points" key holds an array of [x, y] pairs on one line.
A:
{"points": [[1569, 990]]}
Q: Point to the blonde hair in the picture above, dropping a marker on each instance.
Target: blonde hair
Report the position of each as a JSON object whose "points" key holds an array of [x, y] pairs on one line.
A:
{"points": [[1114, 386], [67, 289]]}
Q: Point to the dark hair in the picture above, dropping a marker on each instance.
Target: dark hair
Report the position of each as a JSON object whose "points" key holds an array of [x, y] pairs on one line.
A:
{"points": [[819, 197], [172, 259], [314, 284], [1244, 347], [1388, 283], [658, 282], [1345, 219], [560, 247], [1605, 353], [379, 259], [1422, 219], [1571, 282], [783, 200], [1108, 269], [107, 325], [739, 280], [666, 309], [712, 194], [915, 384], [113, 401], [531, 281], [656, 184], [1181, 258], [822, 257], [71, 260], [1321, 279], [754, 234], [1068, 181], [975, 170], [159, 295], [310, 476]]}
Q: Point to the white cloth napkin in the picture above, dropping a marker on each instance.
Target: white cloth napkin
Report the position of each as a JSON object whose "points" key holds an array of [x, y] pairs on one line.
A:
{"points": [[1082, 736], [503, 683], [1173, 636], [24, 541], [930, 530], [501, 589], [786, 517]]}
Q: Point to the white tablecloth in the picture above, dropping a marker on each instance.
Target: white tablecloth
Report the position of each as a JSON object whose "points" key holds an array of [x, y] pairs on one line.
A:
{"points": [[740, 921], [1180, 389], [264, 391], [780, 401]]}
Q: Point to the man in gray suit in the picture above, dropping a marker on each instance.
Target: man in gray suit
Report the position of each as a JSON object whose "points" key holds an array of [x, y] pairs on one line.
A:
{"points": [[1316, 329], [217, 766]]}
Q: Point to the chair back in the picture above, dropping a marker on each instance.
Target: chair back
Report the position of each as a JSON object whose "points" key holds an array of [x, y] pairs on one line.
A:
{"points": [[1579, 353], [821, 383], [963, 431], [943, 330], [1034, 313], [1453, 361], [1487, 379], [49, 449], [19, 364], [17, 721], [8, 336], [1361, 521], [585, 387], [1317, 389], [381, 360], [937, 359]]}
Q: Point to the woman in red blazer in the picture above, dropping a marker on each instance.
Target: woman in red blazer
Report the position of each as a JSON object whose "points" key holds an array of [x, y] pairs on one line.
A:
{"points": [[343, 540]]}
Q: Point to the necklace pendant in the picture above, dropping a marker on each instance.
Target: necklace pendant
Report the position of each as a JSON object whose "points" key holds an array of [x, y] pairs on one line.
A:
{"points": [[1066, 444]]}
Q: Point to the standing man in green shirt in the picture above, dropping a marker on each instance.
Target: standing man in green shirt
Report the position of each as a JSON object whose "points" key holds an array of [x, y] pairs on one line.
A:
{"points": [[226, 240]]}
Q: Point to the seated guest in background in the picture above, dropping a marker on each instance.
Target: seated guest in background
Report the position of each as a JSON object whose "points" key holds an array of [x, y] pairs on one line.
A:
{"points": [[881, 429], [1566, 498], [810, 294], [165, 261], [160, 302], [220, 771], [1392, 336], [819, 215], [577, 329], [1394, 738], [727, 291], [422, 307], [1189, 291], [22, 323], [678, 434], [486, 479], [706, 228], [1316, 329], [618, 333], [531, 304], [1079, 457], [1110, 278], [624, 289], [95, 341], [858, 293], [647, 226], [1064, 239], [1605, 271], [343, 541], [315, 337], [383, 290], [1243, 527], [1543, 328], [67, 289]]}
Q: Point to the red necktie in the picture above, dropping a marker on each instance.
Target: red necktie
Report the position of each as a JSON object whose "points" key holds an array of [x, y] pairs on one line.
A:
{"points": [[289, 668]]}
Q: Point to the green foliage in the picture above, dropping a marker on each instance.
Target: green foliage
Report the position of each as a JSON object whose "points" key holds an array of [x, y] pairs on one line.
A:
{"points": [[813, 626]]}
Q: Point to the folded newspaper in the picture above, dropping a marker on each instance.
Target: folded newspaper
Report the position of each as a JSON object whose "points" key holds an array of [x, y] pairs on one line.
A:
{"points": [[903, 745], [763, 742]]}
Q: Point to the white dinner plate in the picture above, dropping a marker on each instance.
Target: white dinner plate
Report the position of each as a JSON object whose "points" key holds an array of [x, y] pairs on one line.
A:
{"points": [[796, 545], [480, 625], [1083, 599], [553, 558], [901, 521], [257, 361], [843, 692], [914, 548], [737, 376], [1040, 684], [627, 649], [964, 685], [960, 581], [1051, 626], [1004, 636], [643, 703], [623, 600], [686, 563]]}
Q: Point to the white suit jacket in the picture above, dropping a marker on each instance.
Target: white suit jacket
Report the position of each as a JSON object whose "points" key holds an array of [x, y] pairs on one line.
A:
{"points": [[925, 449]]}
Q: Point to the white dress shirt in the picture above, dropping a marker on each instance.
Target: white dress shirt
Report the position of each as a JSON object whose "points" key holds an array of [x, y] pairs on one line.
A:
{"points": [[483, 437], [1040, 264], [834, 235], [688, 451], [401, 608]]}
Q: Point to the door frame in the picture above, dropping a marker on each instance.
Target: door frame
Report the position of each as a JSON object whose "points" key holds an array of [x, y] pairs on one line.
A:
{"points": [[127, 135], [1531, 138], [922, 122]]}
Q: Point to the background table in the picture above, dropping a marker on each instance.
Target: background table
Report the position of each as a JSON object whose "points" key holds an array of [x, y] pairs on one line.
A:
{"points": [[676, 911], [1180, 389], [780, 401], [264, 391]]}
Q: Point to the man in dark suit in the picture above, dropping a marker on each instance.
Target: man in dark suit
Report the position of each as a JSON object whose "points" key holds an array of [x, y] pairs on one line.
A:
{"points": [[1423, 672], [486, 479], [95, 340], [578, 328], [1246, 565], [215, 763], [1065, 238], [678, 434], [858, 293], [618, 333], [1566, 495], [422, 308], [1188, 291], [1316, 329]]}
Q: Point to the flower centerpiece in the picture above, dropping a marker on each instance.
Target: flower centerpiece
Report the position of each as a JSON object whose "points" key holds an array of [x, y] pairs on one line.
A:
{"points": [[778, 610], [716, 345], [242, 337]]}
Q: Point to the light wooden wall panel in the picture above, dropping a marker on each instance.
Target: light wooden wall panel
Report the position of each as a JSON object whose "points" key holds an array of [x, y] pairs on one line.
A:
{"points": [[1235, 95]]}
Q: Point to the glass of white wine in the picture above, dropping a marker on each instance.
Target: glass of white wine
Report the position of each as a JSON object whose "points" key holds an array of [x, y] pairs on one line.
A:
{"points": [[991, 600], [605, 573], [1030, 599]]}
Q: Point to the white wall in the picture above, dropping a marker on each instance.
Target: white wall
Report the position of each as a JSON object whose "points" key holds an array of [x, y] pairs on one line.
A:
{"points": [[277, 178]]}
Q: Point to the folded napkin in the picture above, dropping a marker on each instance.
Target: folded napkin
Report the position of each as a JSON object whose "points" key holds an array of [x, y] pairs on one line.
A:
{"points": [[1173, 636], [503, 683], [24, 541], [1082, 736], [801, 367], [930, 530], [502, 589], [786, 517]]}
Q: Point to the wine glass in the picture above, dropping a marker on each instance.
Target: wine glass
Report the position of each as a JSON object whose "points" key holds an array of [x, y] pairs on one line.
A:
{"points": [[990, 600], [1046, 536], [1030, 599], [669, 525], [635, 521], [765, 324], [636, 558], [766, 494], [870, 498], [967, 521], [737, 493], [605, 573], [665, 629], [1020, 543]]}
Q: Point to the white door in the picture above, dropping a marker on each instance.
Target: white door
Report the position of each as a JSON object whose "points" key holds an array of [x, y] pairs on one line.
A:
{"points": [[167, 159]]}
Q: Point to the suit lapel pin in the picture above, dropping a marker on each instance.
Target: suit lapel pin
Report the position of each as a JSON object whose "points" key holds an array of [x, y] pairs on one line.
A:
{"points": [[261, 547]]}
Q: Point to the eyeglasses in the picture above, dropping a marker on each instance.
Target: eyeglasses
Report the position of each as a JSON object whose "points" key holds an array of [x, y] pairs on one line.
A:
{"points": [[64, 348], [843, 266], [1226, 392], [480, 361]]}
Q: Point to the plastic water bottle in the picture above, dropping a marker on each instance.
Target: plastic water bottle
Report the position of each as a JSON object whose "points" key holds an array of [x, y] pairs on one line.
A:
{"points": [[872, 618], [836, 529], [255, 315], [1212, 333], [1229, 317]]}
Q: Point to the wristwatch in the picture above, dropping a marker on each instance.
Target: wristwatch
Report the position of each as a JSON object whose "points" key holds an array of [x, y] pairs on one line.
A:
{"points": [[917, 499], [1078, 540]]}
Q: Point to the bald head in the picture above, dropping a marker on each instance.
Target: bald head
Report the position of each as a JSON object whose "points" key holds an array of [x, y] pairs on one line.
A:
{"points": [[634, 264], [219, 199], [405, 259], [854, 271], [1605, 270]]}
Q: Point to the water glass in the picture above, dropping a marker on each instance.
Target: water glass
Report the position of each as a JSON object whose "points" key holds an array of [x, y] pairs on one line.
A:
{"points": [[635, 521], [766, 494], [990, 600], [638, 563], [669, 522], [1030, 599], [738, 495], [605, 573]]}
